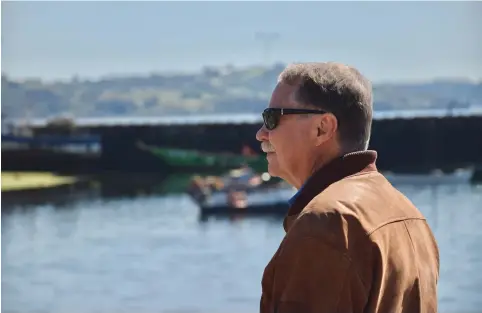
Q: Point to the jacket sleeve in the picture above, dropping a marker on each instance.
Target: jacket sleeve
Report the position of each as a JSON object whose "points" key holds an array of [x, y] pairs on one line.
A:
{"points": [[317, 278]]}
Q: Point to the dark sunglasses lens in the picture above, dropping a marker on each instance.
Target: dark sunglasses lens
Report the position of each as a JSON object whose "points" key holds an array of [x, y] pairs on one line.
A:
{"points": [[270, 119]]}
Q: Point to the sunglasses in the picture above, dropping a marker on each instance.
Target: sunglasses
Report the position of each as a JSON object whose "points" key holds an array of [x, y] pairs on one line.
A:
{"points": [[272, 116]]}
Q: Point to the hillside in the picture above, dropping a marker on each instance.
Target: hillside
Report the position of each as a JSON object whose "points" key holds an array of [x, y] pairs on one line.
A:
{"points": [[211, 90]]}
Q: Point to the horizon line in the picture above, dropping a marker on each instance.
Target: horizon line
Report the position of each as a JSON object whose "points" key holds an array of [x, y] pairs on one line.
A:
{"points": [[229, 66]]}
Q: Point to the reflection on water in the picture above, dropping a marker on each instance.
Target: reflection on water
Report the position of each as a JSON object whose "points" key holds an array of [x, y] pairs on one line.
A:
{"points": [[152, 254]]}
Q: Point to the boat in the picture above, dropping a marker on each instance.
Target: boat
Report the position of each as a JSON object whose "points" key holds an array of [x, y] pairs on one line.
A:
{"points": [[275, 208], [195, 159], [242, 179], [260, 202]]}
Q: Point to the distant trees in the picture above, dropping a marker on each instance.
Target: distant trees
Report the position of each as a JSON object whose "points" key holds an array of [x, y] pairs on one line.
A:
{"points": [[224, 89]]}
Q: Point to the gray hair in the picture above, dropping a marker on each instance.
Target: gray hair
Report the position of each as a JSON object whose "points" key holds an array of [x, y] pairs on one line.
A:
{"points": [[339, 89]]}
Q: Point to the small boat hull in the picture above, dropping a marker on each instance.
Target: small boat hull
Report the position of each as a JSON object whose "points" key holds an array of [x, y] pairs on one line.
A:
{"points": [[278, 208], [271, 201]]}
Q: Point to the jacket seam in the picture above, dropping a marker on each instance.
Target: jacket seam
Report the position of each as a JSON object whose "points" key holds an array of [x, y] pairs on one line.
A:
{"points": [[369, 233], [393, 220], [413, 250]]}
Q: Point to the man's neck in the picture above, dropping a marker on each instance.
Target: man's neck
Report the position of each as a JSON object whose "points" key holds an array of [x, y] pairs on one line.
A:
{"points": [[318, 163]]}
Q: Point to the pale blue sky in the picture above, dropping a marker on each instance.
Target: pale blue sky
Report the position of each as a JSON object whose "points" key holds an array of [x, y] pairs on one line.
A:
{"points": [[386, 40]]}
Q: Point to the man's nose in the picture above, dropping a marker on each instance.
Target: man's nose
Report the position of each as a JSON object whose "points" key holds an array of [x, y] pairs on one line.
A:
{"points": [[262, 134]]}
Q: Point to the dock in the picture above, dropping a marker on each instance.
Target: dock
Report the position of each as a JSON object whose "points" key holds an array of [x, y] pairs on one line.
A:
{"points": [[406, 141]]}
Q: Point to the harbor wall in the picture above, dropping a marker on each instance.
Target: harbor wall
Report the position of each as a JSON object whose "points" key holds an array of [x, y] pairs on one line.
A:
{"points": [[403, 145], [418, 144]]}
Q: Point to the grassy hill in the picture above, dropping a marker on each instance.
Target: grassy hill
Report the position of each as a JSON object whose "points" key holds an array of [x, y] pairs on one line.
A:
{"points": [[212, 90]]}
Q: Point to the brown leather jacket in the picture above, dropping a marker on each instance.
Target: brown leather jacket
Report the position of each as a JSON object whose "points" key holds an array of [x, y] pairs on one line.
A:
{"points": [[353, 243]]}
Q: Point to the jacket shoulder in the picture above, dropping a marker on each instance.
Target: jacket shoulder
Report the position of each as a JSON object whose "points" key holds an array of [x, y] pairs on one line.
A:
{"points": [[353, 208]]}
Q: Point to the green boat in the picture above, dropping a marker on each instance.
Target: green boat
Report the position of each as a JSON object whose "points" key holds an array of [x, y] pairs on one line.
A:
{"points": [[197, 159]]}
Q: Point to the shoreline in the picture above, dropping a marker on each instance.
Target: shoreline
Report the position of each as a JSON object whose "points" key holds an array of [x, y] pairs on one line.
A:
{"points": [[23, 181]]}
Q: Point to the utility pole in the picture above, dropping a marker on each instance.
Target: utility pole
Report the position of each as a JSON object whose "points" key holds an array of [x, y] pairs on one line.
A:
{"points": [[267, 39]]}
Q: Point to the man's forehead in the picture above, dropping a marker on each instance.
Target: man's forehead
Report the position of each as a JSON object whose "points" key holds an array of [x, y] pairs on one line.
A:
{"points": [[283, 96]]}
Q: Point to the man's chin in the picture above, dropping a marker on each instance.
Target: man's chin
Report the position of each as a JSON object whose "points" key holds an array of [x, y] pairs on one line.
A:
{"points": [[273, 169]]}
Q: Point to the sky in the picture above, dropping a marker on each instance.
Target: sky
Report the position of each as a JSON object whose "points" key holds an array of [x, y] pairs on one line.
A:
{"points": [[387, 41]]}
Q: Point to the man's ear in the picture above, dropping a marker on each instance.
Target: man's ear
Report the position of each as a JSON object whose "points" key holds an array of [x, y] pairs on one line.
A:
{"points": [[329, 123], [326, 128]]}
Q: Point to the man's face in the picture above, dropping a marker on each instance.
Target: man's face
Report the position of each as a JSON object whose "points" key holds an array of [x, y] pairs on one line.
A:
{"points": [[290, 146]]}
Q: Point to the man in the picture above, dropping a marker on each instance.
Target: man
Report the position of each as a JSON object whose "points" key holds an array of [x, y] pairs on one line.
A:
{"points": [[353, 242]]}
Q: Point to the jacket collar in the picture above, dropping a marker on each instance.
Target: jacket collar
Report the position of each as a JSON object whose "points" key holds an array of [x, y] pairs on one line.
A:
{"points": [[339, 168]]}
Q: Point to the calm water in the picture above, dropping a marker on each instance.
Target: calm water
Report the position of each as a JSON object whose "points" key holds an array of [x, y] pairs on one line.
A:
{"points": [[153, 254]]}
